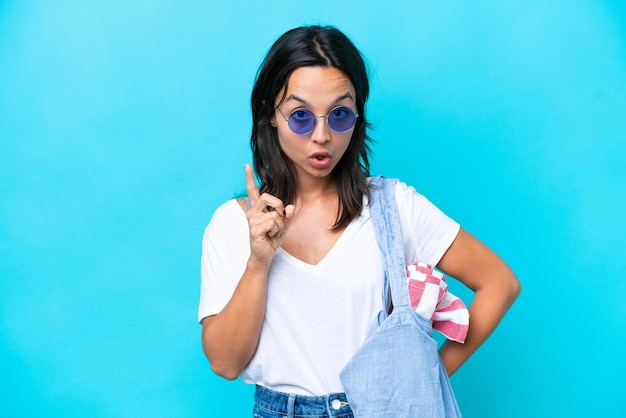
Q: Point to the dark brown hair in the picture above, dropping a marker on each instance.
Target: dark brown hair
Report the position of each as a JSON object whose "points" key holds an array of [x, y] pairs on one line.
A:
{"points": [[310, 46]]}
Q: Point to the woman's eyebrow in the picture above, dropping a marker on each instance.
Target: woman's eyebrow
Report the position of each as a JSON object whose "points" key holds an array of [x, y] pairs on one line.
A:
{"points": [[296, 98], [345, 96], [304, 102]]}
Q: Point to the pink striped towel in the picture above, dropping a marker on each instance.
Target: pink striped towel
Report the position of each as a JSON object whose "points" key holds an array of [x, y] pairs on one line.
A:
{"points": [[429, 296]]}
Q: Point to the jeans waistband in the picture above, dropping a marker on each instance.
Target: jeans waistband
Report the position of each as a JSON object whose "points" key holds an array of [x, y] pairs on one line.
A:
{"points": [[331, 405]]}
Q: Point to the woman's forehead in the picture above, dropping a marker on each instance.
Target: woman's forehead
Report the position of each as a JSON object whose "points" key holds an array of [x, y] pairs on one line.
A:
{"points": [[316, 84]]}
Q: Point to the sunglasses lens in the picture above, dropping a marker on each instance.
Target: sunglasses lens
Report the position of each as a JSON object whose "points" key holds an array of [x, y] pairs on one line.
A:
{"points": [[341, 119], [302, 121]]}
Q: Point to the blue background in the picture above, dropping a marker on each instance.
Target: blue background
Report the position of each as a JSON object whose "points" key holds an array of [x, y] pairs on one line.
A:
{"points": [[124, 124]]}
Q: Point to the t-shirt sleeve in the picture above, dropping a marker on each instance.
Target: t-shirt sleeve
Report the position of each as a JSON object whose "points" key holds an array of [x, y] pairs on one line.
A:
{"points": [[225, 251], [427, 232]]}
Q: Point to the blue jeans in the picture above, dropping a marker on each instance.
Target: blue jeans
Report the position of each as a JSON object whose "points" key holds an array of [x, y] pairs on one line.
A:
{"points": [[272, 404]]}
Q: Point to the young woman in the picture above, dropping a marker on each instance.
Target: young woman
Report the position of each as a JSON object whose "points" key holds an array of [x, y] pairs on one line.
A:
{"points": [[292, 276]]}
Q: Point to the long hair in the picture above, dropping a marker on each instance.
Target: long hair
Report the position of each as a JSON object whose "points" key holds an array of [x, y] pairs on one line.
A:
{"points": [[323, 46]]}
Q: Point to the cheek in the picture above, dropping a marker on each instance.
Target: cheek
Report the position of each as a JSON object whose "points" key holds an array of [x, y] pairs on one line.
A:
{"points": [[346, 142], [286, 141]]}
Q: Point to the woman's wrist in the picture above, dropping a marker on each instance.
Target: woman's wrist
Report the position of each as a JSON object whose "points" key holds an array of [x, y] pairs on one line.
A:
{"points": [[257, 267]]}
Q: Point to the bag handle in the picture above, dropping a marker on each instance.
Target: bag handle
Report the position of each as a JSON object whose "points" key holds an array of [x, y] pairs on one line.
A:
{"points": [[384, 215]]}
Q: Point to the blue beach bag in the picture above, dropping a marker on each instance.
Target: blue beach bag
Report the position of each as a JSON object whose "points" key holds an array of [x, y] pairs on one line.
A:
{"points": [[397, 372]]}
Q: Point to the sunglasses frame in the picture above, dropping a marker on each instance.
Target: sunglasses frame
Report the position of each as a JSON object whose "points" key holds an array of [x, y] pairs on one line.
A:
{"points": [[356, 115]]}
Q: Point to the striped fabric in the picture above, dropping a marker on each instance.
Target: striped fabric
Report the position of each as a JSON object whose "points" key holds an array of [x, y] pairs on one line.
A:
{"points": [[429, 296]]}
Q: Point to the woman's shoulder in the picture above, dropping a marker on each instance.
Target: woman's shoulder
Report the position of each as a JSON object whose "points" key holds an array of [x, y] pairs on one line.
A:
{"points": [[229, 206], [228, 212], [403, 190]]}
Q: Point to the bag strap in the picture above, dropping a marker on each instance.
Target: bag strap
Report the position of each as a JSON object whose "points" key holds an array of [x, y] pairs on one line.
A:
{"points": [[384, 214]]}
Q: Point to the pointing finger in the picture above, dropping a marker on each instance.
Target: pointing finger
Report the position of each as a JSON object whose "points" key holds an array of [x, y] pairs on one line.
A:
{"points": [[251, 187]]}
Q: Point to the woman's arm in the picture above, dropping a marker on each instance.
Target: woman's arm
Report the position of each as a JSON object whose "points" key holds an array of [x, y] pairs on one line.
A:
{"points": [[495, 287], [230, 338]]}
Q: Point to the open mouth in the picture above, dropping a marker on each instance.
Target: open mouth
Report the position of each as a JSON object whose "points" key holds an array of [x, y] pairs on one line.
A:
{"points": [[320, 160]]}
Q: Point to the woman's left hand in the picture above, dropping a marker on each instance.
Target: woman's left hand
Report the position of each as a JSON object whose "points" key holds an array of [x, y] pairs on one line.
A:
{"points": [[495, 287]]}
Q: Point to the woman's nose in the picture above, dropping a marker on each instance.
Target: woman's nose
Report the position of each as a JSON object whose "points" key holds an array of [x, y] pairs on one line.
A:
{"points": [[321, 130]]}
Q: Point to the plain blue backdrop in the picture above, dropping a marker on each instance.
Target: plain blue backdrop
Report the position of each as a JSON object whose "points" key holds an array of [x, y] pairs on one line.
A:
{"points": [[124, 124]]}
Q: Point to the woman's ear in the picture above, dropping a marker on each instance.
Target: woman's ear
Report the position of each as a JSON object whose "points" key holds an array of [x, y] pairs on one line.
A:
{"points": [[272, 118]]}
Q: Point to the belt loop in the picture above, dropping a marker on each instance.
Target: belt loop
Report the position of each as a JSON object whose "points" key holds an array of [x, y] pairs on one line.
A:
{"points": [[291, 403], [328, 411]]}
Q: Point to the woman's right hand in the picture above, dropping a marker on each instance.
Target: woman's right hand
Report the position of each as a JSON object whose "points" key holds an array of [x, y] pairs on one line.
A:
{"points": [[230, 338], [268, 220]]}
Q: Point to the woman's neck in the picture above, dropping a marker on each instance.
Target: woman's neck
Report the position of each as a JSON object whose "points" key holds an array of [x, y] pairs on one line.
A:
{"points": [[315, 189]]}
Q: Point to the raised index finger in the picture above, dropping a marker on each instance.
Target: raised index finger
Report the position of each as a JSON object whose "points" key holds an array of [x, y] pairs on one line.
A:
{"points": [[251, 187]]}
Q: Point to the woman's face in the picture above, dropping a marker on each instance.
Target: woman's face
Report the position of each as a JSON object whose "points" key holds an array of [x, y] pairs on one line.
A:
{"points": [[320, 90]]}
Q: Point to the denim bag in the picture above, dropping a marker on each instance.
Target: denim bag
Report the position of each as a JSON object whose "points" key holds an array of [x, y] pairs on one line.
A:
{"points": [[397, 372]]}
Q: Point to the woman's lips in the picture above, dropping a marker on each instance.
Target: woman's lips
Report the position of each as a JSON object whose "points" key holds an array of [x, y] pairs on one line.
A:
{"points": [[320, 159]]}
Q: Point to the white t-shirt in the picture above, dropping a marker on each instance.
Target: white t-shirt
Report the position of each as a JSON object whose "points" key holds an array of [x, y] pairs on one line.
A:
{"points": [[317, 316]]}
